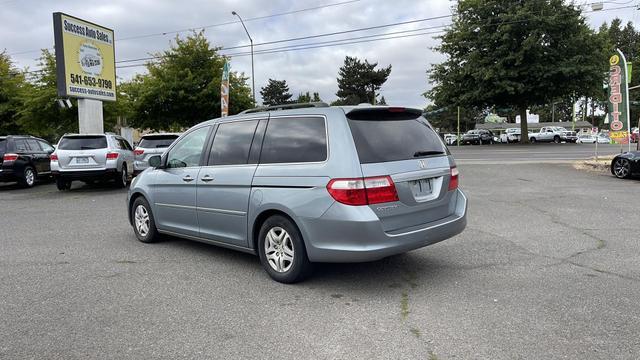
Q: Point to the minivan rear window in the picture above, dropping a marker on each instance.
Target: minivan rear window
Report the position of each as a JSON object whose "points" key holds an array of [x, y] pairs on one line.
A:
{"points": [[393, 140], [83, 142], [160, 141], [3, 146]]}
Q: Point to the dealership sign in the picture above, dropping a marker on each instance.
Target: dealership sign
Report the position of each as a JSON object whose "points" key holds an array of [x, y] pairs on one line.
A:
{"points": [[85, 59], [224, 90], [618, 99]]}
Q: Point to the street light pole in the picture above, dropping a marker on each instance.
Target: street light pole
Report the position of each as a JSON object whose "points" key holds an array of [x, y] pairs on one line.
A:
{"points": [[253, 79]]}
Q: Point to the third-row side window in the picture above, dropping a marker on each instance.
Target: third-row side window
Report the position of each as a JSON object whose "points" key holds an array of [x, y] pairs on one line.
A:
{"points": [[294, 140]]}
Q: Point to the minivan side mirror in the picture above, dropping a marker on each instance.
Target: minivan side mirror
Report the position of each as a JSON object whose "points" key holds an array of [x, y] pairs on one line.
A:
{"points": [[155, 161]]}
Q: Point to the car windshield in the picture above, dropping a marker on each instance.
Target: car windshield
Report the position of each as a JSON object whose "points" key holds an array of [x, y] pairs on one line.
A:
{"points": [[88, 142], [157, 141]]}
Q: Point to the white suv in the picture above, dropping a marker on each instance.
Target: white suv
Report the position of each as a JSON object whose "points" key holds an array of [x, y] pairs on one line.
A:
{"points": [[92, 157]]}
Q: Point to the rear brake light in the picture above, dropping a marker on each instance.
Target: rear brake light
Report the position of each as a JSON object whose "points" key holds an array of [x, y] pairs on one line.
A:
{"points": [[396, 109], [453, 180], [363, 191], [138, 151], [112, 155], [10, 157], [54, 157]]}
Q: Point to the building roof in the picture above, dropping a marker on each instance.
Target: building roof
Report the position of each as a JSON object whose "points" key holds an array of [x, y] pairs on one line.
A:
{"points": [[504, 126]]}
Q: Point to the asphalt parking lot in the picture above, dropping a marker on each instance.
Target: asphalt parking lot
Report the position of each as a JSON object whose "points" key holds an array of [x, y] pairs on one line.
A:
{"points": [[548, 267]]}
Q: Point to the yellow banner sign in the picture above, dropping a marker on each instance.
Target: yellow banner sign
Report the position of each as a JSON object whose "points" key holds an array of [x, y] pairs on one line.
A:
{"points": [[85, 59]]}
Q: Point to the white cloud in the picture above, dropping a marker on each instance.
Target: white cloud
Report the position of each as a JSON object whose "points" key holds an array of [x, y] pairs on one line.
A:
{"points": [[27, 25]]}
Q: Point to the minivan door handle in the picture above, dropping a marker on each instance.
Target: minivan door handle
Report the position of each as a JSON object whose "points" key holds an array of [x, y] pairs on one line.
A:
{"points": [[207, 178], [187, 178]]}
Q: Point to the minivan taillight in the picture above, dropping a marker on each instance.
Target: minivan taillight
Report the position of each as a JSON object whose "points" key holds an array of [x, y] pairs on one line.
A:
{"points": [[54, 157], [112, 155], [363, 191], [10, 157], [453, 180], [138, 151]]}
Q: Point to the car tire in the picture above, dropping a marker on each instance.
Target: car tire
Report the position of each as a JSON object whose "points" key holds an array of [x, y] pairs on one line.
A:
{"points": [[621, 168], [123, 178], [556, 139], [282, 251], [63, 185], [28, 177], [144, 224], [532, 140]]}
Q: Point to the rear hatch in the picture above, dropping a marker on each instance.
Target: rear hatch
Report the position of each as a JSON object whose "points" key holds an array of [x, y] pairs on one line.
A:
{"points": [[151, 145], [82, 152], [400, 143]]}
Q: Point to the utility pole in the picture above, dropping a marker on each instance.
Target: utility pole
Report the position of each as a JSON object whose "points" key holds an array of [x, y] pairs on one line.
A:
{"points": [[458, 138], [253, 77]]}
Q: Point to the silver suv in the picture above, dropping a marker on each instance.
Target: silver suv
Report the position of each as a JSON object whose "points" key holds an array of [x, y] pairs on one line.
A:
{"points": [[92, 157], [149, 145], [304, 185]]}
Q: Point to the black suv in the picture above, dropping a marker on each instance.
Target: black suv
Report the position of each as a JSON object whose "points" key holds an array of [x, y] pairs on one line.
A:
{"points": [[24, 159]]}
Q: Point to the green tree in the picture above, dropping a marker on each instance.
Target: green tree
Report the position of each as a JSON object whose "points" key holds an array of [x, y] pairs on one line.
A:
{"points": [[40, 114], [517, 54], [12, 86], [307, 97], [359, 81], [275, 93], [182, 88]]}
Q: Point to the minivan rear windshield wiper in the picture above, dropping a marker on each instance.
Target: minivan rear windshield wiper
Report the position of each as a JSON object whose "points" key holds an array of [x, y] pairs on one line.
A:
{"points": [[425, 153]]}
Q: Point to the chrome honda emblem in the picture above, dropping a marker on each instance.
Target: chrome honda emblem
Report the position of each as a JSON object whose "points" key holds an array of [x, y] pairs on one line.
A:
{"points": [[422, 164]]}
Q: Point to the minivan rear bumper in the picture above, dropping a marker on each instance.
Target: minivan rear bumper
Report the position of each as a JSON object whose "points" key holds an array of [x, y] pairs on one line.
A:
{"points": [[356, 235]]}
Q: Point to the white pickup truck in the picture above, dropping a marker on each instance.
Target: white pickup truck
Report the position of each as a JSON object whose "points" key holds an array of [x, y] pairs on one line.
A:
{"points": [[554, 134]]}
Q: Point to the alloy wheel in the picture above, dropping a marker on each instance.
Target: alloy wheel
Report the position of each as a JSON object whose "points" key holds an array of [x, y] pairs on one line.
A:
{"points": [[142, 220], [278, 248], [29, 176], [621, 168]]}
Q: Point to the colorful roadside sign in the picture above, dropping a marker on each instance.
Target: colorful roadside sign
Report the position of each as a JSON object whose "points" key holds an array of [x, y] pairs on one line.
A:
{"points": [[618, 99], [85, 59], [224, 90]]}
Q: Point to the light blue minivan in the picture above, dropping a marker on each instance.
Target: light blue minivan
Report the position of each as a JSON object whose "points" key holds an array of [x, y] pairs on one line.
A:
{"points": [[304, 183]]}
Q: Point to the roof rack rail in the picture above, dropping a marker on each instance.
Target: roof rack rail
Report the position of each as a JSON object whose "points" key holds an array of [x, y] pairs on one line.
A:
{"points": [[286, 107]]}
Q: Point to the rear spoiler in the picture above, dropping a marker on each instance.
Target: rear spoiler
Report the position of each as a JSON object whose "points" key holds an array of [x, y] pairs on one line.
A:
{"points": [[383, 113]]}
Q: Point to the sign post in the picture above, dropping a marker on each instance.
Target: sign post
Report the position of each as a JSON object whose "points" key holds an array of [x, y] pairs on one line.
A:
{"points": [[224, 91], [85, 66], [619, 100]]}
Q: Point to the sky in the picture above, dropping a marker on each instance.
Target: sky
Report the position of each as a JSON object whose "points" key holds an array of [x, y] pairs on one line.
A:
{"points": [[144, 27]]}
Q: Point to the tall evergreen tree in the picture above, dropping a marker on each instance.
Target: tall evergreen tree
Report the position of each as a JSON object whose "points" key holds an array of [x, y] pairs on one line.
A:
{"points": [[359, 81], [275, 93]]}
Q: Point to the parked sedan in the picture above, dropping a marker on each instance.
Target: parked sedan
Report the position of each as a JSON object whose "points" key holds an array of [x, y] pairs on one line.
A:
{"points": [[151, 144], [591, 139], [478, 137], [24, 159], [511, 135], [626, 165]]}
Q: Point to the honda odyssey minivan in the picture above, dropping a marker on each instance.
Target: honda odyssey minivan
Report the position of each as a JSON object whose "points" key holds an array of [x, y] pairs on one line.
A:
{"points": [[305, 183]]}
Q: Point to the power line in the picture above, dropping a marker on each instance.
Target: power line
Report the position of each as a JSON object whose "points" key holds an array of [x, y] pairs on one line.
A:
{"points": [[315, 36], [236, 21], [311, 46], [213, 25]]}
